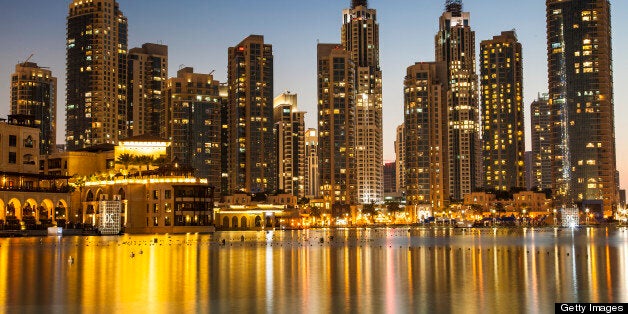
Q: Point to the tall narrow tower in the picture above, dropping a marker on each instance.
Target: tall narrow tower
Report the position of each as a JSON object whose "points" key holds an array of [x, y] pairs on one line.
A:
{"points": [[253, 152], [581, 103], [360, 37], [96, 106], [455, 45], [34, 95], [502, 112]]}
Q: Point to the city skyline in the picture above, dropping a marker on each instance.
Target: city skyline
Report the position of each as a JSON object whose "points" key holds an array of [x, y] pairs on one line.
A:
{"points": [[204, 46]]}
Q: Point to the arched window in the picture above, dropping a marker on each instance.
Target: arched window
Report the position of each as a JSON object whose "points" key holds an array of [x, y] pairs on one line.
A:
{"points": [[225, 222], [258, 222], [234, 222], [243, 223]]}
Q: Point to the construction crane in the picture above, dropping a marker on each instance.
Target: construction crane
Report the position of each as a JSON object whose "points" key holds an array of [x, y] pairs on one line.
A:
{"points": [[29, 57]]}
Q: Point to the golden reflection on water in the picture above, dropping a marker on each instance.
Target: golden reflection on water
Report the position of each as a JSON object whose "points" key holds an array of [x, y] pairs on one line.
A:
{"points": [[364, 270]]}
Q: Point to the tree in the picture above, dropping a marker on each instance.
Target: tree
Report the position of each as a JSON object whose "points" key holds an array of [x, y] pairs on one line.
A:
{"points": [[125, 160], [368, 208], [144, 160], [393, 207]]}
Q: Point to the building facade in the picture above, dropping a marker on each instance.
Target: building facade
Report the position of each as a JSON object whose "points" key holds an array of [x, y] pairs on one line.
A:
{"points": [[360, 37], [455, 45], [336, 126], [581, 103], [503, 127], [34, 94], [253, 152], [291, 158], [312, 183], [400, 154], [192, 121], [426, 96], [96, 74], [540, 116], [390, 175], [147, 75]]}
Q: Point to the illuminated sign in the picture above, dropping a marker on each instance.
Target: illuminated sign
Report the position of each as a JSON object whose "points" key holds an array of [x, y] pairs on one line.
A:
{"points": [[108, 219]]}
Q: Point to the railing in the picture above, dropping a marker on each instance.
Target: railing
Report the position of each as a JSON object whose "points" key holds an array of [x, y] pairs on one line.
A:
{"points": [[62, 189]]}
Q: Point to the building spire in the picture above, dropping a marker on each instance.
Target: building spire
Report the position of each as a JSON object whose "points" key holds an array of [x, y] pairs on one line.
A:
{"points": [[355, 3], [454, 7]]}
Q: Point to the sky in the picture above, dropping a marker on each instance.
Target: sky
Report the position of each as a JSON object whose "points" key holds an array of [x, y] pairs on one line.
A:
{"points": [[198, 33]]}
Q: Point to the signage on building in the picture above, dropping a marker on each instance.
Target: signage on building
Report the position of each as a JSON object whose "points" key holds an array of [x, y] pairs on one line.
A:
{"points": [[108, 219]]}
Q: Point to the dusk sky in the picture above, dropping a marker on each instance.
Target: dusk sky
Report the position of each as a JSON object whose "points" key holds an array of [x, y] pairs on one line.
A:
{"points": [[198, 33]]}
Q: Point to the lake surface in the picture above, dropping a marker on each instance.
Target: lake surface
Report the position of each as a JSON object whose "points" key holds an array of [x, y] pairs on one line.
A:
{"points": [[418, 270]]}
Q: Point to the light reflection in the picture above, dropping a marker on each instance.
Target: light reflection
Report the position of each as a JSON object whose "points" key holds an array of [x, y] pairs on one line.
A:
{"points": [[376, 270]]}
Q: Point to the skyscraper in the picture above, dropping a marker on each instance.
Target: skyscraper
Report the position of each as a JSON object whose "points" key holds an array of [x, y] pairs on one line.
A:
{"points": [[192, 121], [581, 102], [502, 112], [336, 126], [540, 117], [400, 154], [253, 152], [455, 45], [360, 37], [147, 75], [390, 182], [426, 96], [34, 94], [312, 177], [291, 159], [96, 72]]}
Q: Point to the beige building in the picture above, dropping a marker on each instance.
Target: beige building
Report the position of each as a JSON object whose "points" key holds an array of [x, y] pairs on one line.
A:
{"points": [[534, 203], [291, 159], [28, 198], [400, 164], [240, 212], [483, 200], [168, 202]]}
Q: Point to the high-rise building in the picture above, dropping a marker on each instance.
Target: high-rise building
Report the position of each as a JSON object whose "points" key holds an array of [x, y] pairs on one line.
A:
{"points": [[400, 154], [360, 37], [336, 126], [390, 182], [426, 96], [503, 127], [540, 117], [96, 74], [581, 102], [192, 121], [291, 158], [253, 152], [34, 94], [455, 45], [312, 183], [147, 75], [529, 173]]}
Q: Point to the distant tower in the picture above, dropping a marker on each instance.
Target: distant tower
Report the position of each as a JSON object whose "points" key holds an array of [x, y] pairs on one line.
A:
{"points": [[96, 64], [400, 163], [148, 72], [502, 114], [34, 96], [541, 159], [312, 182], [455, 45], [291, 159], [581, 103], [360, 37], [336, 126], [253, 152]]}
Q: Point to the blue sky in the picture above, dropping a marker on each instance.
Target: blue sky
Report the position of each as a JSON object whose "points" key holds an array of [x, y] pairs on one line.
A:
{"points": [[198, 33]]}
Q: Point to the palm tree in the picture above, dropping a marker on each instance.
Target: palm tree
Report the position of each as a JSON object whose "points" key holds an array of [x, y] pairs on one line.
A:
{"points": [[125, 160], [144, 160]]}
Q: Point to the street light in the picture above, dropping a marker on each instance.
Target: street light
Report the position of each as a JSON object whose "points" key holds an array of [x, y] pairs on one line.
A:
{"points": [[586, 210], [493, 216], [524, 216], [555, 219]]}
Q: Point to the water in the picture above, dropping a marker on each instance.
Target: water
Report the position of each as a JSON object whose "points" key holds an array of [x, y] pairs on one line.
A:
{"points": [[317, 271]]}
